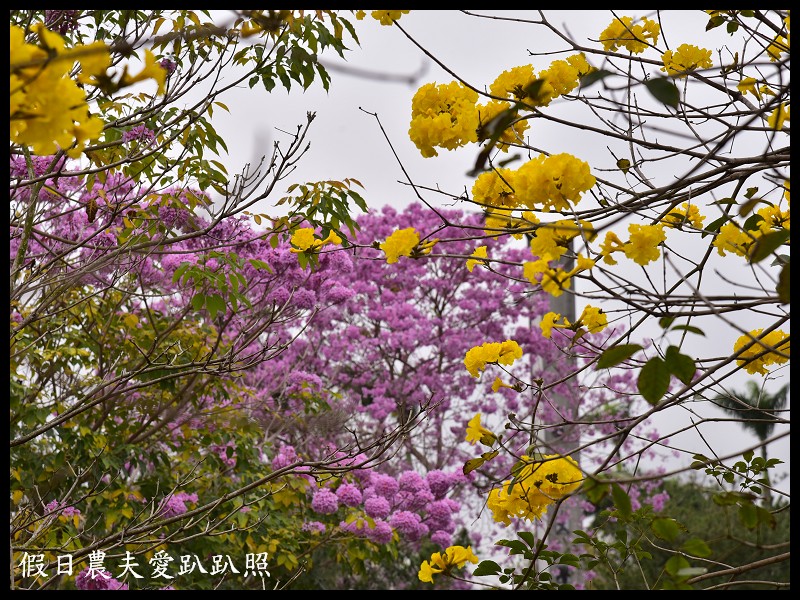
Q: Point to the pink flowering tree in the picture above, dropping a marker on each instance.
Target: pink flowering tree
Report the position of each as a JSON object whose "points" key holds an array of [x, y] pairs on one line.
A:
{"points": [[396, 346]]}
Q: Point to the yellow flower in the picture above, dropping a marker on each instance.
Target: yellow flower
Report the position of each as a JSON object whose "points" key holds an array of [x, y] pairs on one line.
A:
{"points": [[443, 115], [538, 483], [453, 557], [48, 108], [501, 218], [494, 188], [611, 244], [687, 213], [387, 17], [510, 135], [772, 348], [305, 241], [642, 247], [623, 33], [499, 383], [748, 84], [778, 46], [509, 352], [480, 252], [303, 238], [151, 70], [548, 322], [731, 238], [360, 14], [554, 182], [685, 58], [400, 243], [511, 84], [478, 433], [504, 353], [555, 281], [594, 319], [778, 116]]}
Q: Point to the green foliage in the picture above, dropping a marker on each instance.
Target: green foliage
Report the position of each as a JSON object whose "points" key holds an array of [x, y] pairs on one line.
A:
{"points": [[699, 531]]}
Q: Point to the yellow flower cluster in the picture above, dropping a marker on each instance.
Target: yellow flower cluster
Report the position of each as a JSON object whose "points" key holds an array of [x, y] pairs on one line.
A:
{"points": [[552, 182], [686, 214], [447, 116], [504, 353], [386, 17], [538, 483], [685, 58], [304, 240], [554, 280], [48, 108], [642, 247], [443, 116], [504, 219], [593, 318], [622, 33], [769, 349], [732, 238], [510, 135], [560, 78], [400, 243], [494, 188], [453, 557], [551, 240]]}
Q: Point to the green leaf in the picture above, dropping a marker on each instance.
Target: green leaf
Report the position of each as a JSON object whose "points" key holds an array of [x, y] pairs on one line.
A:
{"points": [[680, 365], [486, 567], [675, 564], [665, 528], [214, 304], [783, 284], [614, 356], [528, 538], [715, 22], [472, 464], [621, 500], [714, 226], [696, 547], [753, 222], [766, 244], [689, 328], [594, 76], [516, 546], [663, 90], [198, 301], [748, 515], [666, 322], [653, 380]]}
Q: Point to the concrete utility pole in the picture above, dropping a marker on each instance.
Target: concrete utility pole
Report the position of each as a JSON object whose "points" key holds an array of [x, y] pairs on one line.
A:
{"points": [[565, 439]]}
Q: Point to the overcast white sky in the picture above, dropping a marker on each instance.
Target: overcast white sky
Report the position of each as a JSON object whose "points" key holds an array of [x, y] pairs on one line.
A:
{"points": [[347, 142]]}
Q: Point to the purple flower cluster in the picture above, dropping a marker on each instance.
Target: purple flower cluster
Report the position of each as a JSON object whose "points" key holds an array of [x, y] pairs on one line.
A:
{"points": [[313, 526], [62, 21], [168, 65], [325, 502], [66, 511], [99, 579], [141, 133], [175, 504], [349, 495]]}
